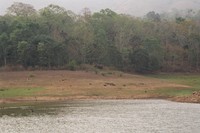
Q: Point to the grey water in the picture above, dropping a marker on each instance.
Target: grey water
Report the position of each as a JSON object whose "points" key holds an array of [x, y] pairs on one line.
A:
{"points": [[102, 116]]}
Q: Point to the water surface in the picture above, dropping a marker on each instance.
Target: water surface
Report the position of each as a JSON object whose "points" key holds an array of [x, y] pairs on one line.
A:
{"points": [[103, 116]]}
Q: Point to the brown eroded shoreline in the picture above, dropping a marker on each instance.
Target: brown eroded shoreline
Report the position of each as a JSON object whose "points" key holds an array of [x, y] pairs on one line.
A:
{"points": [[81, 85]]}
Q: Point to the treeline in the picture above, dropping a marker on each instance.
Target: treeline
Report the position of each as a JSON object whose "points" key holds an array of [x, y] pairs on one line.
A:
{"points": [[54, 38]]}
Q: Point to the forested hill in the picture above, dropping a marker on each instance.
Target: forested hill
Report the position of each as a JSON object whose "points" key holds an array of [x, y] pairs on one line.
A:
{"points": [[54, 38]]}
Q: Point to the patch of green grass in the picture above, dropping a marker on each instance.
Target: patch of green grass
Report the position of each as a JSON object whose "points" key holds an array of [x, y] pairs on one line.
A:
{"points": [[191, 80], [170, 92], [18, 92]]}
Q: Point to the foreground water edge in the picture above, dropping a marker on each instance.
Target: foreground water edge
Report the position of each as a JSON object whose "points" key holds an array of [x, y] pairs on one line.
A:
{"points": [[102, 116]]}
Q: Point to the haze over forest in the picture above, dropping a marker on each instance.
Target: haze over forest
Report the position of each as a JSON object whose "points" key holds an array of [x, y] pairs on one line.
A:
{"points": [[133, 7], [55, 37]]}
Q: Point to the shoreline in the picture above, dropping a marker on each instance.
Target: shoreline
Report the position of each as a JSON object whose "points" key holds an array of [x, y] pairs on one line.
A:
{"points": [[53, 86], [44, 99]]}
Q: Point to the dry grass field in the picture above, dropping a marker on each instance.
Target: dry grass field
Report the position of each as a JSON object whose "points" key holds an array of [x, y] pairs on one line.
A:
{"points": [[26, 86]]}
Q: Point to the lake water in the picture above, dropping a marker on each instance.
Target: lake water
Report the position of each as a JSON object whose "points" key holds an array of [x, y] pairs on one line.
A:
{"points": [[102, 116]]}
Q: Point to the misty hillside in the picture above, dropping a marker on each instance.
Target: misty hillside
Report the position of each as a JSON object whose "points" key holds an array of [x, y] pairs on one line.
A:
{"points": [[133, 7], [139, 8]]}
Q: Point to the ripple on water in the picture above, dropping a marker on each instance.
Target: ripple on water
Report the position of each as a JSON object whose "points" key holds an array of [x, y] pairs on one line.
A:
{"points": [[108, 116]]}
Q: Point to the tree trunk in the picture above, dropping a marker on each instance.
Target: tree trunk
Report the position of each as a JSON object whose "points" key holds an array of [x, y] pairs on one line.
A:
{"points": [[197, 62], [5, 61]]}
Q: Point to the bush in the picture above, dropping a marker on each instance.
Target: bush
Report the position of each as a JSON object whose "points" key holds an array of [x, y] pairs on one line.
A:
{"points": [[72, 65]]}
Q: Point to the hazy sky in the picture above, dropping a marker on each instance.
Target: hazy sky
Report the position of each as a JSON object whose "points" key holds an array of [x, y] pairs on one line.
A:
{"points": [[134, 7]]}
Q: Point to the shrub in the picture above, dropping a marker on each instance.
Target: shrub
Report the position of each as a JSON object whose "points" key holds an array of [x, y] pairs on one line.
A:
{"points": [[72, 65]]}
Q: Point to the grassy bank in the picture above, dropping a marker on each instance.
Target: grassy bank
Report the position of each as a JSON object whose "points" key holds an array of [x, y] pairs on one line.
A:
{"points": [[18, 92], [190, 80]]}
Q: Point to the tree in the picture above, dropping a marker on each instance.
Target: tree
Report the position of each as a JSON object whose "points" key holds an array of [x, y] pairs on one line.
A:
{"points": [[152, 16], [44, 49], [147, 58], [140, 60], [194, 50], [21, 9], [57, 22], [180, 20], [86, 14], [96, 52], [4, 47], [155, 51], [52, 9], [22, 52]]}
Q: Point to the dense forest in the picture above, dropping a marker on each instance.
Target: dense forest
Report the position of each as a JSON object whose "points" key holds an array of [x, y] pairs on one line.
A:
{"points": [[54, 37]]}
